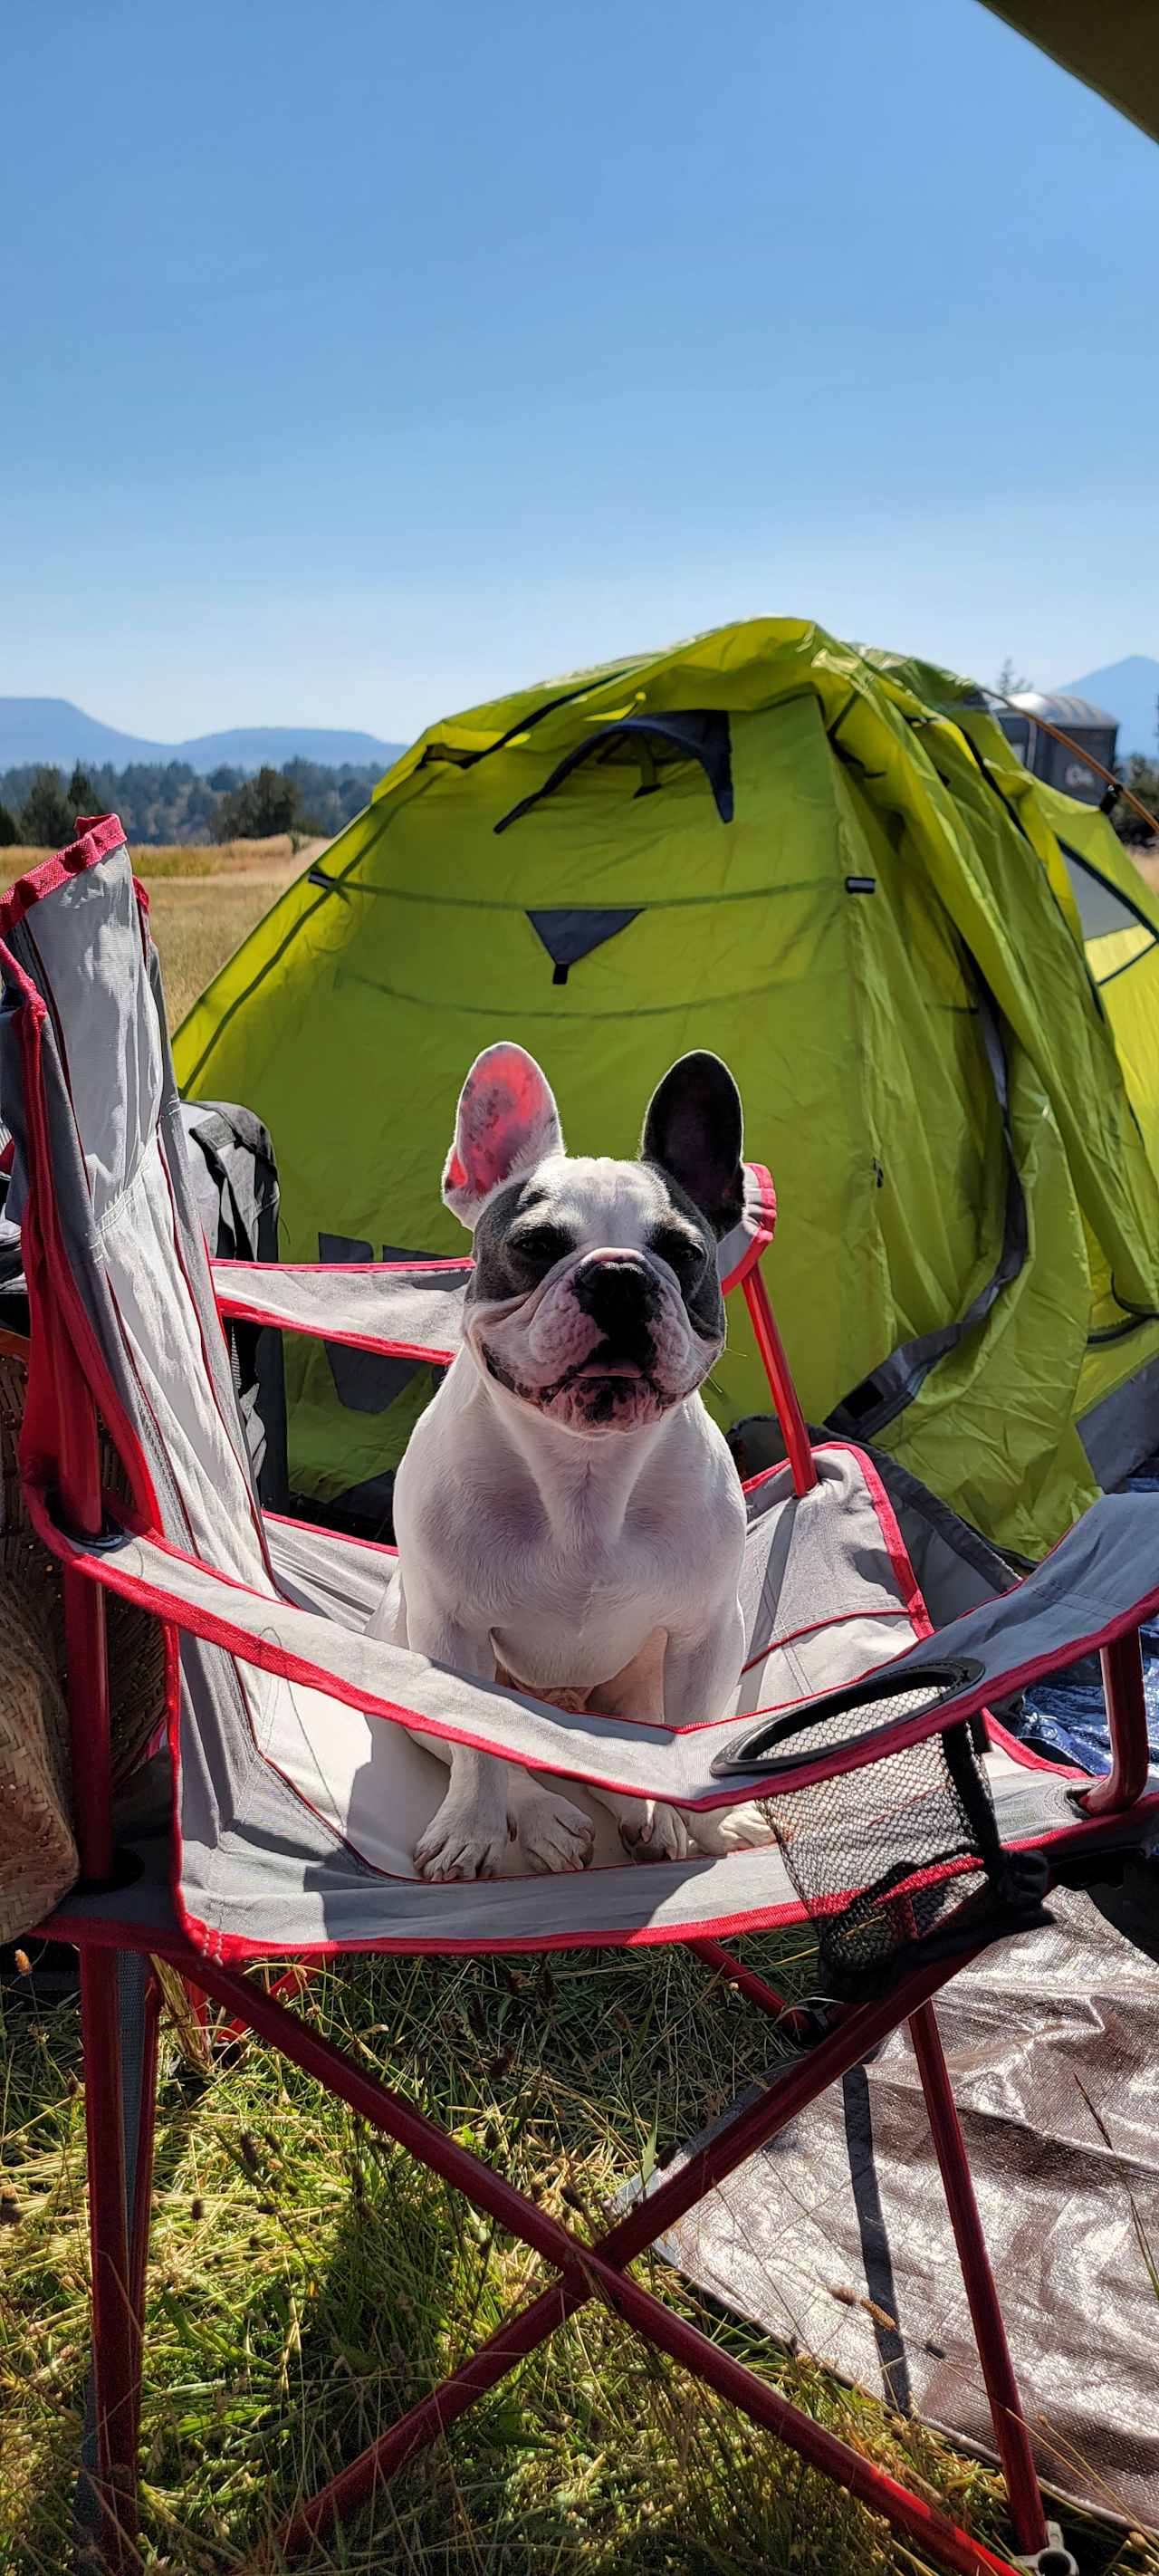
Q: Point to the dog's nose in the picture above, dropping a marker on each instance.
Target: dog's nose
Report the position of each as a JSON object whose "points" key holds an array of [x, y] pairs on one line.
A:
{"points": [[617, 1290]]}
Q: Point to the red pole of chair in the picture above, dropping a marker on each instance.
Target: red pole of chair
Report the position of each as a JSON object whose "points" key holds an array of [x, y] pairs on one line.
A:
{"points": [[756, 1990], [1006, 2414], [143, 2169], [1126, 1703], [786, 1402], [116, 2334], [79, 1492], [116, 2328]]}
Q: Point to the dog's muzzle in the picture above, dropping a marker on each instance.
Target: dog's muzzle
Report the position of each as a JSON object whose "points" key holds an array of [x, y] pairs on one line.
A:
{"points": [[621, 1295], [606, 1344]]}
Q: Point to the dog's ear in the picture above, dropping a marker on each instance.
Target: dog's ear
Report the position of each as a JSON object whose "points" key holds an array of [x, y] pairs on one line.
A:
{"points": [[507, 1122], [695, 1131]]}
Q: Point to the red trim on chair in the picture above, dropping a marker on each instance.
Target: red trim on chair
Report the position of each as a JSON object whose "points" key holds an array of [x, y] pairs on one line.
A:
{"points": [[95, 842], [342, 1269], [762, 1233], [375, 1546], [281, 1661], [245, 1310], [891, 1532], [909, 1588], [1003, 1742], [839, 1619], [49, 1277], [108, 1931]]}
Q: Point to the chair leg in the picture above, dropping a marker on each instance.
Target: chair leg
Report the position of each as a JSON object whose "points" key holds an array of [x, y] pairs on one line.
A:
{"points": [[588, 2269], [142, 2163], [1010, 2433], [116, 2367]]}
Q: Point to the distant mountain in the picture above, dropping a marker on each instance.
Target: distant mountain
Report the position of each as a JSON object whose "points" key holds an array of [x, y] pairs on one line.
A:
{"points": [[1128, 690], [52, 730], [255, 746]]}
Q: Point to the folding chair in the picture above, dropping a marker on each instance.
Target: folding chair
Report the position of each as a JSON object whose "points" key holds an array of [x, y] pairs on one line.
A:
{"points": [[297, 1787]]}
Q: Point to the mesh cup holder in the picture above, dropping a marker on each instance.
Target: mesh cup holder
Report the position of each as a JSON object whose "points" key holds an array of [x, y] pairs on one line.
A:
{"points": [[884, 1855]]}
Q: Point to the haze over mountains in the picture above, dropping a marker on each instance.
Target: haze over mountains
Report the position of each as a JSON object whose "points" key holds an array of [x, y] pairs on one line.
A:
{"points": [[1130, 691], [53, 731]]}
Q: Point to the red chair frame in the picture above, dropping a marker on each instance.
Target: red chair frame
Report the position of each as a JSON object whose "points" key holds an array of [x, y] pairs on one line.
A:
{"points": [[119, 2223]]}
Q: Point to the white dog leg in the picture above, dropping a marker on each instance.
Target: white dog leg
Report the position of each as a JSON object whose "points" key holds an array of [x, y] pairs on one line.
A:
{"points": [[469, 1833], [731, 1829], [648, 1829], [553, 1833]]}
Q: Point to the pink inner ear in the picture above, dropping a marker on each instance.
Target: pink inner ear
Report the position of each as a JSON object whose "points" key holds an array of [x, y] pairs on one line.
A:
{"points": [[498, 1121]]}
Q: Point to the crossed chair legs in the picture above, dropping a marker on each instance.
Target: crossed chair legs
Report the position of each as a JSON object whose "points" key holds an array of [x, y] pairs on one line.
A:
{"points": [[119, 2215]]}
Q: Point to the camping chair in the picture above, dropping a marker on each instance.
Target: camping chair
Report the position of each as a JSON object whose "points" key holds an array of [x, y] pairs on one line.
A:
{"points": [[297, 1789]]}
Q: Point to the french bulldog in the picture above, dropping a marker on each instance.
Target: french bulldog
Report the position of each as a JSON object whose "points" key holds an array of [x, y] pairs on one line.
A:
{"points": [[567, 1514]]}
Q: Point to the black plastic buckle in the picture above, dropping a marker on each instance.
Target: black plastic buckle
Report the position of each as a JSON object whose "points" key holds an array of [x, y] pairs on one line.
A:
{"points": [[947, 1677], [102, 1542]]}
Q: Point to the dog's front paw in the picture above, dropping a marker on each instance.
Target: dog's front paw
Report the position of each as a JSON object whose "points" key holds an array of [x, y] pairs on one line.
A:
{"points": [[462, 1840], [652, 1832], [735, 1829], [554, 1834]]}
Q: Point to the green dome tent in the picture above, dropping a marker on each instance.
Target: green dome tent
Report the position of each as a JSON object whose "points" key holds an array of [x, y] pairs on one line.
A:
{"points": [[936, 979]]}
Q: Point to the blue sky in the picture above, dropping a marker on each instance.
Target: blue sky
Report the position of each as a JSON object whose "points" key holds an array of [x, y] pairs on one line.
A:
{"points": [[361, 361]]}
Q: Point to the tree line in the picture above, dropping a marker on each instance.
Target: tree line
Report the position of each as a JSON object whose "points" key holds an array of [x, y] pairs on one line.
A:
{"points": [[162, 803]]}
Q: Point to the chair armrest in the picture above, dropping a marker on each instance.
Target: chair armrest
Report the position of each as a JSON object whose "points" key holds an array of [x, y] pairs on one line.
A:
{"points": [[413, 1309], [404, 1310], [374, 1675], [866, 1721], [1084, 1597]]}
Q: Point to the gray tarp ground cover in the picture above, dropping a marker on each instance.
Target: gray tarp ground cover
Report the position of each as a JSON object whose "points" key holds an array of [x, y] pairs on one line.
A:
{"points": [[837, 2233]]}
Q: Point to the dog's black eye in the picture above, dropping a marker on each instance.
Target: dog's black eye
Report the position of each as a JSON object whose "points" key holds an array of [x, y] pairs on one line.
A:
{"points": [[684, 1253], [540, 1246]]}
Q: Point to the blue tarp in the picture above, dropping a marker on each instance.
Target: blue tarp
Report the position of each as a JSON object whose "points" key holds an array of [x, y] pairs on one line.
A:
{"points": [[1065, 1717]]}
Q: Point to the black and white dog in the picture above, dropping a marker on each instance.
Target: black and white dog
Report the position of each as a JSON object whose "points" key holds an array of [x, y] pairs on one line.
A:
{"points": [[567, 1513]]}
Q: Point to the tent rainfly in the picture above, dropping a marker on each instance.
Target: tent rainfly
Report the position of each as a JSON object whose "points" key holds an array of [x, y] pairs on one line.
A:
{"points": [[936, 978]]}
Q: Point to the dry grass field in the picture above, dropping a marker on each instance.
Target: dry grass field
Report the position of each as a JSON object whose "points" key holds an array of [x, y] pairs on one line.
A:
{"points": [[203, 903]]}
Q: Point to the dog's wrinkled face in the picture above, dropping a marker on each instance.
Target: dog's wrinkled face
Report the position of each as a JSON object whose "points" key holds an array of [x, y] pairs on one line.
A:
{"points": [[595, 1294], [595, 1297]]}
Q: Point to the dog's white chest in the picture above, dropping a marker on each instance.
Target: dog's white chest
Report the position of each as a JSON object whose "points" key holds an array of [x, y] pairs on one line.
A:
{"points": [[573, 1616]]}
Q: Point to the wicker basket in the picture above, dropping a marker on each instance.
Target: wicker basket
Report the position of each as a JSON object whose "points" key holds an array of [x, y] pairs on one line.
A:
{"points": [[38, 1860]]}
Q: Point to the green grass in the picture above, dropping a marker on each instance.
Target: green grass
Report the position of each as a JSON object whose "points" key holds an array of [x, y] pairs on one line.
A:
{"points": [[307, 2283]]}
